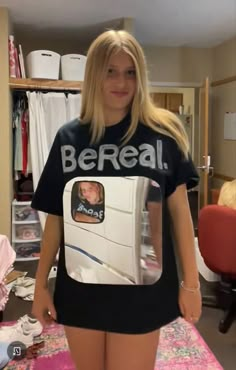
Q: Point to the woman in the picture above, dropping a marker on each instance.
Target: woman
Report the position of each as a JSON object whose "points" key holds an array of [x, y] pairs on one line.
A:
{"points": [[227, 195], [89, 205], [120, 133]]}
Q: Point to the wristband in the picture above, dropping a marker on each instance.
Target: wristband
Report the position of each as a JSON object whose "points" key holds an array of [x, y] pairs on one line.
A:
{"points": [[192, 290]]}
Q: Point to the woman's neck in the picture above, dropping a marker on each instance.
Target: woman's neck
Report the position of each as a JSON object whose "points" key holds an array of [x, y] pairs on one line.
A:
{"points": [[114, 116]]}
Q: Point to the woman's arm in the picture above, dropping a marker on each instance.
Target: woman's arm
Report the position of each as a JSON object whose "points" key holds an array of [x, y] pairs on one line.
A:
{"points": [[51, 241], [184, 235]]}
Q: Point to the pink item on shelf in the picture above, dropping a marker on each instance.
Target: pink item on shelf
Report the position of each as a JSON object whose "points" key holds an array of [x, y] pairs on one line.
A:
{"points": [[7, 258], [18, 72], [12, 61]]}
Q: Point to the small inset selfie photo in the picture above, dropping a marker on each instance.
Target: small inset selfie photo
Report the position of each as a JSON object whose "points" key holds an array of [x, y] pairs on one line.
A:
{"points": [[87, 202]]}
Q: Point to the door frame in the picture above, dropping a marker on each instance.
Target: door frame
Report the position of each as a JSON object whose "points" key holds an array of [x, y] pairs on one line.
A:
{"points": [[204, 158]]}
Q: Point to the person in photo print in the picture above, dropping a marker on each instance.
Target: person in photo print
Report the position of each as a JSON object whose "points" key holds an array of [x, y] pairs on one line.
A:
{"points": [[89, 204], [120, 133]]}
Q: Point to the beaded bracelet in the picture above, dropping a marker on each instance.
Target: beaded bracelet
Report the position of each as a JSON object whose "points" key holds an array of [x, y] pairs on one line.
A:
{"points": [[192, 290]]}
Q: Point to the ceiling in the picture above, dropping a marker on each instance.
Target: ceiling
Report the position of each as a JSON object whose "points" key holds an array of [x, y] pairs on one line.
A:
{"points": [[194, 23]]}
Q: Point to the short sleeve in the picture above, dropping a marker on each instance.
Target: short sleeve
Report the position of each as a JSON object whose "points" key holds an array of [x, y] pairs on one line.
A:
{"points": [[49, 192], [154, 192], [182, 171]]}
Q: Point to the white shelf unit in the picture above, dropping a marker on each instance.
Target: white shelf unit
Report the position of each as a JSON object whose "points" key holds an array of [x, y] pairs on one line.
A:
{"points": [[26, 231]]}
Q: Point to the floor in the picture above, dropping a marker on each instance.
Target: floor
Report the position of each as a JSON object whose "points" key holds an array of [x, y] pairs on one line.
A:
{"points": [[222, 345]]}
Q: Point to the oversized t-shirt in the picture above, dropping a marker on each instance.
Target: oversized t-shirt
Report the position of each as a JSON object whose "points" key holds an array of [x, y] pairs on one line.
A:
{"points": [[116, 269]]}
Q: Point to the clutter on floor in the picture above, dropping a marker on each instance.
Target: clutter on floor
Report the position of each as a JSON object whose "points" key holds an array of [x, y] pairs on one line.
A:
{"points": [[23, 287], [13, 275], [25, 331], [181, 347]]}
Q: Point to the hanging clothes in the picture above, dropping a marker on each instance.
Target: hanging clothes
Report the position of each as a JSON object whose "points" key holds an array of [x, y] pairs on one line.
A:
{"points": [[47, 113], [21, 153]]}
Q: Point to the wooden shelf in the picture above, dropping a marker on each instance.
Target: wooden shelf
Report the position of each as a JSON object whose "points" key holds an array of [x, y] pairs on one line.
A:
{"points": [[41, 84]]}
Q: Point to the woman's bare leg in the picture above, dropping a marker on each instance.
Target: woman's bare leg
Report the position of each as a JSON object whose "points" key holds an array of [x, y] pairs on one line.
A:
{"points": [[131, 352], [87, 348]]}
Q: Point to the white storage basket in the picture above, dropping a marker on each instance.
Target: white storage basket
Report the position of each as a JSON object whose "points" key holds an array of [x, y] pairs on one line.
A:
{"points": [[43, 64], [73, 67]]}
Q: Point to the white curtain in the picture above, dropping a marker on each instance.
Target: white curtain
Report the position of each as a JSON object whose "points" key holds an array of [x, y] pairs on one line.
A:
{"points": [[47, 113]]}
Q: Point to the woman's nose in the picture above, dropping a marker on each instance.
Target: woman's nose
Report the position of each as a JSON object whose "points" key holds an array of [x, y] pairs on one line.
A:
{"points": [[121, 81]]}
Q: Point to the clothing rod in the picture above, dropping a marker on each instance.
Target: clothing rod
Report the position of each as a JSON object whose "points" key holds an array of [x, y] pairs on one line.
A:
{"points": [[65, 91]]}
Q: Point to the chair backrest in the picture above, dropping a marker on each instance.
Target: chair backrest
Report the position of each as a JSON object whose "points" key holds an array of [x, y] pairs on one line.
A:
{"points": [[217, 238]]}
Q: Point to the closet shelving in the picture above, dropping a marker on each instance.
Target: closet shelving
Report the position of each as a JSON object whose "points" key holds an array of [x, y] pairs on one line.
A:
{"points": [[43, 84], [26, 228]]}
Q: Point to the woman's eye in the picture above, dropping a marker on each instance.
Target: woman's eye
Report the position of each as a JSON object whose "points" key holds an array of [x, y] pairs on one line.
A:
{"points": [[131, 72], [110, 71]]}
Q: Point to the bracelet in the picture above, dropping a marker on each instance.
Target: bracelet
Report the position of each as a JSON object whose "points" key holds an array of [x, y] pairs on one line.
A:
{"points": [[192, 290]]}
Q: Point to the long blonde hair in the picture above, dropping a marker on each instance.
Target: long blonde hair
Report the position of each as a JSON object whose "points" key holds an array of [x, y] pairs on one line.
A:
{"points": [[98, 186], [227, 195], [142, 109]]}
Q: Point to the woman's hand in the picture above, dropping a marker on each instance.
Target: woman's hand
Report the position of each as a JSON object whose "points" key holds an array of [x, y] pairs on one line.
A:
{"points": [[190, 304], [43, 308]]}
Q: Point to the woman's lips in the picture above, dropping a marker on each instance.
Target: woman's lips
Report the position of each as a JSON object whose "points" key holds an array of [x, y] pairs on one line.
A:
{"points": [[119, 94]]}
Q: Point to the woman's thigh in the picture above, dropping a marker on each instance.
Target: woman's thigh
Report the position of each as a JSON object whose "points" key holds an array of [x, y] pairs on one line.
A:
{"points": [[87, 348], [131, 352]]}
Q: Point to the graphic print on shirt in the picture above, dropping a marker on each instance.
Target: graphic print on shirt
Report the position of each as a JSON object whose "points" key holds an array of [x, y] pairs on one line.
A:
{"points": [[87, 201], [113, 230], [146, 155]]}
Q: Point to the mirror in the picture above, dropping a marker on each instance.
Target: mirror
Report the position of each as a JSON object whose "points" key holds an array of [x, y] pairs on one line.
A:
{"points": [[113, 230]]}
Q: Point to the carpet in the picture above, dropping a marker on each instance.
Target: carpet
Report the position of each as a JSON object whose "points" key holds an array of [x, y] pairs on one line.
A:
{"points": [[181, 348]]}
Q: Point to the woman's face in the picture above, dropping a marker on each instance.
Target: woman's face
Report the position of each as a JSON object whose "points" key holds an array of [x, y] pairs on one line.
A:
{"points": [[90, 192], [120, 83]]}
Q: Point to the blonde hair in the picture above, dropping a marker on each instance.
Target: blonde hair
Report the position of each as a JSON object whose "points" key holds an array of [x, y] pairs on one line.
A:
{"points": [[227, 195], [95, 184], [142, 108]]}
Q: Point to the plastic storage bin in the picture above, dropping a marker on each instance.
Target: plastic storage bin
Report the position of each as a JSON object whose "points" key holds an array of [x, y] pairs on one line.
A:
{"points": [[43, 64], [26, 231], [27, 250], [73, 67], [25, 213]]}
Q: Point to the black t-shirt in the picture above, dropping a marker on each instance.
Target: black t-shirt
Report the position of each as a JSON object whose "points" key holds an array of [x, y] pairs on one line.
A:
{"points": [[81, 300], [93, 210]]}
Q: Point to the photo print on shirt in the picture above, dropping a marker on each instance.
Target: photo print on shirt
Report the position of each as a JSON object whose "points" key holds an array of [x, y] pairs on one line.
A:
{"points": [[113, 230], [87, 201]]}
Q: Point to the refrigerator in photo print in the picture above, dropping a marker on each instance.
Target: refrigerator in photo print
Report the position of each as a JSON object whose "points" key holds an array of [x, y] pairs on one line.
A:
{"points": [[113, 230]]}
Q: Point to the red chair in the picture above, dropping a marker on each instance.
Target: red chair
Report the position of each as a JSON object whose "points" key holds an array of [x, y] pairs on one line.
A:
{"points": [[217, 245]]}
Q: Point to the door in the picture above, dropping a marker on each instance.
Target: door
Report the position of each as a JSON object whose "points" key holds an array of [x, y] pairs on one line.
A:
{"points": [[173, 101], [204, 157], [159, 99]]}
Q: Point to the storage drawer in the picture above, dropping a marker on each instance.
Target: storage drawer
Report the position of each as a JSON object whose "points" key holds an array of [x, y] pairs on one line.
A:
{"points": [[24, 213], [27, 232], [27, 250]]}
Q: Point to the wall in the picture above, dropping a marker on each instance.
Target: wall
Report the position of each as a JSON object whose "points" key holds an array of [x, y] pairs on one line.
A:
{"points": [[178, 64], [224, 100], [67, 42], [5, 129]]}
